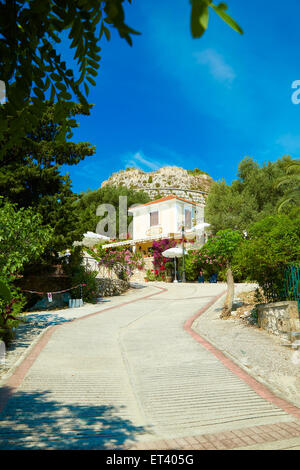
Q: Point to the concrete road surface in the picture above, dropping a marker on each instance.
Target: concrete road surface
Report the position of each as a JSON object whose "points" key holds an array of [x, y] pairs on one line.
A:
{"points": [[133, 376]]}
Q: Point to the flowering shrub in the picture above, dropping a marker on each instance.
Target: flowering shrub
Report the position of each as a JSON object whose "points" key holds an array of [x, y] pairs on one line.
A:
{"points": [[120, 260], [161, 265], [200, 261]]}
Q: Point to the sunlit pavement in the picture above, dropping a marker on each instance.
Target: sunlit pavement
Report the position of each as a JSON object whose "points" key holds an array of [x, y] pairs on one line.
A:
{"points": [[132, 376]]}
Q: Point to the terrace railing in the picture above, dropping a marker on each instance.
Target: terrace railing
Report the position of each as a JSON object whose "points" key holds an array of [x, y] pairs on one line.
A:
{"points": [[292, 283]]}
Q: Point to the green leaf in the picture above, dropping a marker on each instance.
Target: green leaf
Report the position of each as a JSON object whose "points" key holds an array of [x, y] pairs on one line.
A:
{"points": [[5, 292], [53, 93], [104, 30], [92, 71], [220, 10], [199, 18], [61, 86], [54, 76], [91, 80]]}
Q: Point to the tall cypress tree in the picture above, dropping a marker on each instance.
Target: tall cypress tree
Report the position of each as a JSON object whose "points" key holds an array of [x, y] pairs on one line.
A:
{"points": [[30, 176]]}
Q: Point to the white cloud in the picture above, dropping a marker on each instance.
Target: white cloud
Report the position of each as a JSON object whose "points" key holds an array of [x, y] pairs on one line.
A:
{"points": [[139, 160], [217, 66]]}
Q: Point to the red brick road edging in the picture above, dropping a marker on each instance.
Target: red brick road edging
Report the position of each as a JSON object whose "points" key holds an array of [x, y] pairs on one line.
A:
{"points": [[226, 440], [239, 437], [258, 387]]}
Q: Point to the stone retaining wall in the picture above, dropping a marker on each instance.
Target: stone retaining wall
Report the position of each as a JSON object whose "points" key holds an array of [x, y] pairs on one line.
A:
{"points": [[140, 274], [110, 287], [279, 318]]}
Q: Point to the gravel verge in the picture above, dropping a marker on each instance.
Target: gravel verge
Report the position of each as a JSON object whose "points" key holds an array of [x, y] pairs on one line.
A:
{"points": [[264, 356]]}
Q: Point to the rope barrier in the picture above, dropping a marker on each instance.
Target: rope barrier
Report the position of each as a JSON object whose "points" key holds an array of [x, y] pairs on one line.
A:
{"points": [[56, 292]]}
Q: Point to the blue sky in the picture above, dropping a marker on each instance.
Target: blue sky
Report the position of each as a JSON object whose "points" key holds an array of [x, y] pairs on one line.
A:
{"points": [[196, 103]]}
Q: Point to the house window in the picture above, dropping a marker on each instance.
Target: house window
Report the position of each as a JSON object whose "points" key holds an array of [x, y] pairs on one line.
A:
{"points": [[187, 219], [153, 218]]}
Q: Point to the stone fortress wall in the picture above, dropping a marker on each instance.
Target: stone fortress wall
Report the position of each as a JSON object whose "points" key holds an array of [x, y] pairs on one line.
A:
{"points": [[191, 185]]}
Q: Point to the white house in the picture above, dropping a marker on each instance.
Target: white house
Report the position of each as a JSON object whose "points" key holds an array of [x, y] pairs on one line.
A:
{"points": [[164, 217], [160, 219]]}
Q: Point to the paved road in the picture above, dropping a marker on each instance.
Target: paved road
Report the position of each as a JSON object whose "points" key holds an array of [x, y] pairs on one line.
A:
{"points": [[132, 375]]}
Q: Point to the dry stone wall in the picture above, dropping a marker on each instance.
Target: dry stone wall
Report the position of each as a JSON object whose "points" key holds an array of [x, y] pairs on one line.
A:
{"points": [[163, 182], [110, 287], [140, 274], [279, 318]]}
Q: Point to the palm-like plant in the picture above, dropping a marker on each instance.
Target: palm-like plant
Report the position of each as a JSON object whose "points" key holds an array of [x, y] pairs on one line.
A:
{"points": [[291, 178]]}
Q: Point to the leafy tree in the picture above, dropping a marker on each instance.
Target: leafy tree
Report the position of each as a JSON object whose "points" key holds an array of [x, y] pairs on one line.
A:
{"points": [[223, 246], [32, 65], [30, 176], [251, 197], [86, 206], [292, 179], [22, 239], [271, 245]]}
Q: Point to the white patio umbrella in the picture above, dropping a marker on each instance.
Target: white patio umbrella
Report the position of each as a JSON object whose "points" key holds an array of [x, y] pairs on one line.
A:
{"points": [[95, 235], [90, 239], [174, 253], [198, 228]]}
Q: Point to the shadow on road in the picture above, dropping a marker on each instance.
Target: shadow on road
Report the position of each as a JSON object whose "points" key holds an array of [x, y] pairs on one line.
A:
{"points": [[35, 421]]}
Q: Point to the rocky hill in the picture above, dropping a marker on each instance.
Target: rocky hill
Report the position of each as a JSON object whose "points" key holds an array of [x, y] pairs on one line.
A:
{"points": [[190, 184]]}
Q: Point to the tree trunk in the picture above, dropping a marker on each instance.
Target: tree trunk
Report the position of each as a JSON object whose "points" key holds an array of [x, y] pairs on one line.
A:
{"points": [[226, 312]]}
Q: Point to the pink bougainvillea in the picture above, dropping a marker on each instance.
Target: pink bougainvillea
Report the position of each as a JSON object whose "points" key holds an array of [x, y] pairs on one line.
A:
{"points": [[160, 263], [121, 260]]}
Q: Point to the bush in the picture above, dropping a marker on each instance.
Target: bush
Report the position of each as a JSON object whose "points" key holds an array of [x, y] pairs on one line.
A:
{"points": [[90, 285], [196, 172], [78, 274], [162, 266], [271, 245], [120, 259], [11, 305], [199, 261]]}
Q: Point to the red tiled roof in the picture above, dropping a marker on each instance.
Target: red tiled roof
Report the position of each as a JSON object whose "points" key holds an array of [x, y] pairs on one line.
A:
{"points": [[168, 198]]}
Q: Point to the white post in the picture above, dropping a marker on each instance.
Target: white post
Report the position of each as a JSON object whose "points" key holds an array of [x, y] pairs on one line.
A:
{"points": [[175, 279]]}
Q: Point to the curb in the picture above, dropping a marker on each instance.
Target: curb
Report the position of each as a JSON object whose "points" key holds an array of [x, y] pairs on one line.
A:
{"points": [[19, 370], [276, 391], [262, 390]]}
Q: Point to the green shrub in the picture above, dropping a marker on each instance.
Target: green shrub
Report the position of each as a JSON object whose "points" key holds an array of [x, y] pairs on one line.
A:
{"points": [[78, 274], [90, 285], [150, 276], [271, 245], [197, 171], [11, 305]]}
